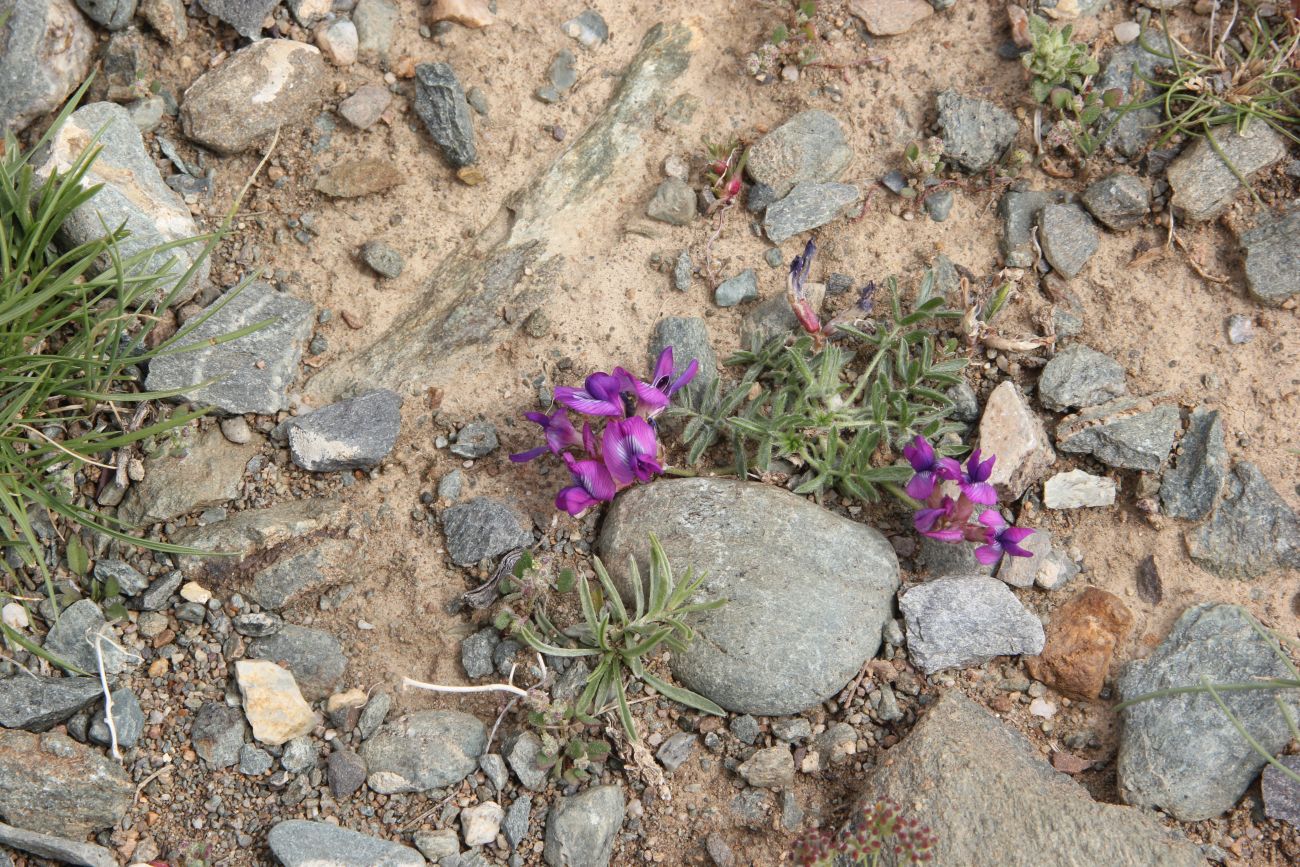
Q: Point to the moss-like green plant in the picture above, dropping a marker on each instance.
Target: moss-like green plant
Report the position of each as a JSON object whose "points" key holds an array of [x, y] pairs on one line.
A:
{"points": [[1055, 59]]}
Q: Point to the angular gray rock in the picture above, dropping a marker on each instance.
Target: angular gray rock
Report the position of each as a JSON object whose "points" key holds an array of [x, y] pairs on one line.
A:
{"points": [[160, 591], [672, 203], [440, 103], [807, 591], [354, 434], [972, 779], [476, 652], [218, 734], [346, 772], [129, 581], [1281, 792], [374, 714], [301, 843], [808, 206], [246, 16], [1191, 488], [682, 271], [676, 750], [580, 828], [111, 14], [689, 338], [1204, 185], [1126, 433], [40, 703], [1068, 238], [259, 88], [1020, 211], [1077, 490], [810, 147], [736, 290], [303, 572], [1014, 433], [940, 559], [975, 131], [133, 194], [251, 373], [483, 527], [478, 439], [56, 848], [1181, 753], [315, 657], [200, 469], [1131, 130], [376, 22], [425, 750], [1272, 254], [55, 785], [72, 638], [589, 28], [45, 52], [1253, 531], [254, 761], [515, 826], [522, 754], [966, 621], [128, 721], [1080, 377], [1119, 201]]}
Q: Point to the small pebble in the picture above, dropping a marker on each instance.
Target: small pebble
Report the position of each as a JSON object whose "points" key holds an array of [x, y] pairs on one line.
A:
{"points": [[1127, 31]]}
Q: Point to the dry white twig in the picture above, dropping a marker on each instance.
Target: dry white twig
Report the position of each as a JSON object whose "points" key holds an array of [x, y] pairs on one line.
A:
{"points": [[486, 687], [98, 644]]}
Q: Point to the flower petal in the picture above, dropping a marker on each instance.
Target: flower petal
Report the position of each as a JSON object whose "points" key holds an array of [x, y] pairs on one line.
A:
{"points": [[980, 492], [574, 500], [920, 454], [687, 375], [921, 486], [663, 368], [949, 534], [582, 401], [992, 519], [988, 554], [525, 457]]}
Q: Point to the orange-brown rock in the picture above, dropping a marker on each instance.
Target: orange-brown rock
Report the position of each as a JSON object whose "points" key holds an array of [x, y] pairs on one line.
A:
{"points": [[1081, 640]]}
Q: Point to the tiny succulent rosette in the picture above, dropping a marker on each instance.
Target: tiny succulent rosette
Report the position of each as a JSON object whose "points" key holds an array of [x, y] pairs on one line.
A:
{"points": [[973, 515], [618, 445]]}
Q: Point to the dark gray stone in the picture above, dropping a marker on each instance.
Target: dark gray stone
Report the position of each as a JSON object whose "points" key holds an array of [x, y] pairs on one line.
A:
{"points": [[1253, 531], [483, 527], [160, 591], [689, 338], [249, 374], [1068, 238], [515, 824], [55, 785], [580, 829], [218, 734], [588, 27], [672, 203], [676, 750], [941, 559], [682, 271], [374, 714], [355, 434], [254, 761], [1119, 201], [258, 624], [894, 181], [346, 773], [1181, 753], [745, 728], [425, 750], [315, 658], [736, 290], [112, 14], [503, 656], [1204, 185], [810, 147], [478, 439], [382, 259], [1133, 129], [296, 575], [966, 621], [807, 591], [1272, 253], [128, 720], [975, 131], [1125, 433], [939, 205], [1191, 488], [1080, 377], [476, 652], [984, 781], [522, 755], [1281, 792], [759, 198], [1020, 211], [440, 103], [56, 848], [45, 52], [808, 206], [965, 403], [72, 639], [129, 581], [246, 16], [40, 703], [300, 843]]}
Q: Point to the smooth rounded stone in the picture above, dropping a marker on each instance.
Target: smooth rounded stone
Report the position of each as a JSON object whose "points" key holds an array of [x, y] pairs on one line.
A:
{"points": [[55, 785], [132, 193], [1204, 185], [440, 103], [259, 88], [588, 27], [314, 656], [128, 721], [515, 825], [300, 843], [807, 591], [274, 706], [205, 469], [351, 179], [1281, 793], [1253, 532], [382, 259], [672, 203], [45, 52], [580, 829], [218, 734], [246, 16], [250, 373], [354, 434], [478, 439], [129, 581], [1020, 211], [1191, 488], [476, 652], [40, 703], [483, 527], [736, 290], [1077, 490], [111, 14], [1119, 201], [1013, 433], [745, 728], [1126, 433], [676, 749], [939, 205], [891, 17], [993, 784], [1272, 254], [810, 147], [374, 714], [376, 22], [1182, 754], [364, 107], [522, 754], [966, 621], [426, 750], [770, 768], [437, 845], [1127, 31], [1068, 238], [562, 74], [940, 559], [481, 823], [975, 131], [73, 639], [1079, 377], [1081, 642], [345, 772], [808, 206], [236, 430], [147, 114], [254, 761], [338, 42], [689, 338]]}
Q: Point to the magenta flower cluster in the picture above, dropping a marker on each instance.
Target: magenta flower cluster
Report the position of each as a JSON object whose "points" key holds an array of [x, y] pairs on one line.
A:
{"points": [[605, 460], [949, 520]]}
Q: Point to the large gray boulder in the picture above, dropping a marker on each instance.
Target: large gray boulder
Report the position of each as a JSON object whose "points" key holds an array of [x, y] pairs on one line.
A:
{"points": [[57, 786], [45, 52], [807, 591]]}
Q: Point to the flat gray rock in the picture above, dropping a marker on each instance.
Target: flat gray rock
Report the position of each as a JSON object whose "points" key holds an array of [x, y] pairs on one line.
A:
{"points": [[808, 206], [45, 52], [246, 16], [737, 290], [580, 828], [1080, 377], [1191, 488], [376, 22], [1253, 532], [1204, 185], [133, 194], [1272, 253], [975, 131], [810, 147], [973, 780], [313, 656], [300, 843], [672, 203], [1181, 753], [298, 574], [941, 559], [1119, 201], [129, 581], [56, 848], [483, 527], [72, 638], [808, 591], [251, 373], [522, 755], [425, 750], [1020, 211], [478, 439], [689, 338], [251, 530], [1281, 792], [128, 721], [197, 470], [55, 785], [1068, 238], [1126, 433], [440, 103], [40, 703], [354, 434], [965, 621], [476, 652]]}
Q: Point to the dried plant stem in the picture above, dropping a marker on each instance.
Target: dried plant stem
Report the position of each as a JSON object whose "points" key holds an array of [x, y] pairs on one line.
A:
{"points": [[486, 687]]}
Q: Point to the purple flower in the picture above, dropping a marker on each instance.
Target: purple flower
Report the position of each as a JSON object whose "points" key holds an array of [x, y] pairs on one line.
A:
{"points": [[935, 523], [630, 450], [866, 297], [1000, 538], [601, 394], [592, 484], [974, 480], [799, 303], [661, 380], [929, 468], [557, 429]]}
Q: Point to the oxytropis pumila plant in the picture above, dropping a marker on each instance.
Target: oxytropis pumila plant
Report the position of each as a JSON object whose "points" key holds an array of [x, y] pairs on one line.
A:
{"points": [[618, 445], [876, 836]]}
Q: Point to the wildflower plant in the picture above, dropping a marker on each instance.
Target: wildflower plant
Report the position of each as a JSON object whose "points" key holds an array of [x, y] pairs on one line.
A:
{"points": [[876, 836], [793, 40], [1054, 59]]}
